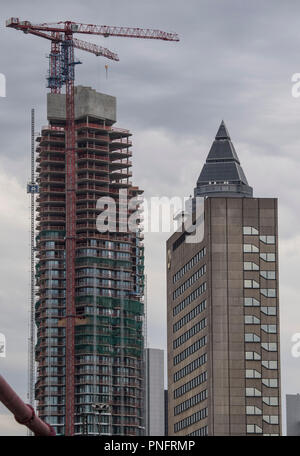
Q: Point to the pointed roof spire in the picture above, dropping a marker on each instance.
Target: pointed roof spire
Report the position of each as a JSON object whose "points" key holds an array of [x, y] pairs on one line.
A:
{"points": [[222, 132], [222, 174]]}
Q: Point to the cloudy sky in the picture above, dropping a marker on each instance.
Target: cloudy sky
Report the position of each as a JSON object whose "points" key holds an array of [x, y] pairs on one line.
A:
{"points": [[234, 62]]}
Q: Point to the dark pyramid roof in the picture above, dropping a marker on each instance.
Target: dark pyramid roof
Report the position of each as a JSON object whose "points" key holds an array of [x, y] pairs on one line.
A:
{"points": [[222, 174], [222, 132]]}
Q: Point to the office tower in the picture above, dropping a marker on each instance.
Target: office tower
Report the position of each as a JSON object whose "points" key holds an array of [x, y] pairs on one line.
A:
{"points": [[155, 407], [108, 343], [292, 414], [222, 303]]}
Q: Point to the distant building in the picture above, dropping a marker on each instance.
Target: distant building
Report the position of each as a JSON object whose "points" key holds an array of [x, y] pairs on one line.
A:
{"points": [[155, 401], [223, 308], [293, 414]]}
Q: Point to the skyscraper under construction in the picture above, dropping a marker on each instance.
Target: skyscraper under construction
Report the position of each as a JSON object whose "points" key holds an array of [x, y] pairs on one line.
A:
{"points": [[109, 274]]}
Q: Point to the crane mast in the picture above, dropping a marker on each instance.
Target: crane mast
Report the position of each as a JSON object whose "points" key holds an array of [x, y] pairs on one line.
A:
{"points": [[62, 72]]}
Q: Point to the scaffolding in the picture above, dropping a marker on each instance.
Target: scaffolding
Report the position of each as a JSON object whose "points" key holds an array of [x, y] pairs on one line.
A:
{"points": [[32, 190]]}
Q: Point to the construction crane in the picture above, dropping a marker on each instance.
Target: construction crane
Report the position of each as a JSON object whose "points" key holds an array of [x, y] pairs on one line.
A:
{"points": [[62, 72]]}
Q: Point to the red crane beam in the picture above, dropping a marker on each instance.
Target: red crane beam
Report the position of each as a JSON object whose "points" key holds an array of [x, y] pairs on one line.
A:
{"points": [[94, 49], [104, 30]]}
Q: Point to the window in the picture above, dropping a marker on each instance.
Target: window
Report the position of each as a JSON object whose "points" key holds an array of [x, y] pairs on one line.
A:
{"points": [[250, 337], [267, 256], [253, 429], [271, 419], [271, 329], [190, 350], [203, 431], [271, 400], [251, 284], [194, 400], [251, 320], [189, 282], [251, 302], [252, 356], [252, 410], [250, 248], [249, 230], [179, 274], [252, 373], [268, 292], [270, 275], [270, 364], [270, 382], [269, 346], [250, 266], [190, 385], [189, 316], [197, 416], [190, 298], [267, 239], [189, 368], [268, 310], [253, 392], [190, 333]]}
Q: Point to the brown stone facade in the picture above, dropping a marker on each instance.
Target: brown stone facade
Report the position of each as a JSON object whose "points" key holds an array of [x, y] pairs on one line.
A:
{"points": [[223, 322]]}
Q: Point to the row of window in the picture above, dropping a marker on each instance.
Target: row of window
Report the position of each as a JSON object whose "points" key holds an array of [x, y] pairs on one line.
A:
{"points": [[251, 231], [268, 292], [196, 258], [194, 400], [190, 333], [189, 282], [192, 419], [254, 356], [253, 373], [196, 381], [95, 281], [267, 310], [251, 248], [250, 266], [190, 298], [190, 350], [270, 419], [94, 272], [202, 432], [253, 320], [93, 291], [252, 337], [252, 302], [102, 253], [189, 368], [189, 316], [272, 401]]}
